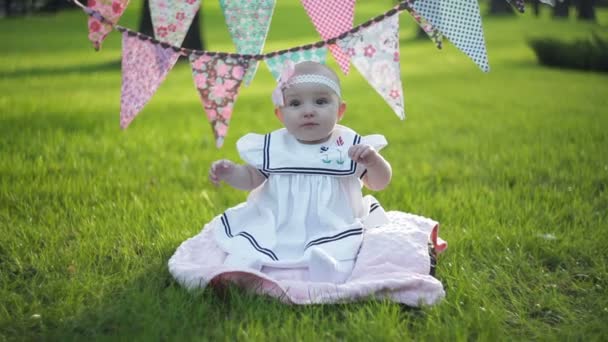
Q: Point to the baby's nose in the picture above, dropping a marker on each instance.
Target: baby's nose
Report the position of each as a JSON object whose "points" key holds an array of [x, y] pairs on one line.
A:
{"points": [[309, 111]]}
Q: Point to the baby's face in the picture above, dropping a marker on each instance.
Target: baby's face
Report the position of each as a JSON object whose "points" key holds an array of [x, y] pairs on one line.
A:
{"points": [[311, 112]]}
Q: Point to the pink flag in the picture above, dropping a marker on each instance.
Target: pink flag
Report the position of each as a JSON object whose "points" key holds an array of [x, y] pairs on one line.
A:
{"points": [[172, 18], [332, 18], [217, 80], [375, 53], [109, 9], [144, 68]]}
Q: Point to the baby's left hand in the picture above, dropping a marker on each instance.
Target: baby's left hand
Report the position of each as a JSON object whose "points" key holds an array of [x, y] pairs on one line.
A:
{"points": [[363, 154]]}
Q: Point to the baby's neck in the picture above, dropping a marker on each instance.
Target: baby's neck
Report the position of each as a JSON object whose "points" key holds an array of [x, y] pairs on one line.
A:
{"points": [[313, 142]]}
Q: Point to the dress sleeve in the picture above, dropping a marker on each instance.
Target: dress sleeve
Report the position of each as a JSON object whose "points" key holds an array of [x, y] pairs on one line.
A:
{"points": [[378, 142], [250, 148]]}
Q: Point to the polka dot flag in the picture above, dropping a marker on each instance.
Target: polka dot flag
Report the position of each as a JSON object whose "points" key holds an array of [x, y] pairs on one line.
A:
{"points": [[460, 22]]}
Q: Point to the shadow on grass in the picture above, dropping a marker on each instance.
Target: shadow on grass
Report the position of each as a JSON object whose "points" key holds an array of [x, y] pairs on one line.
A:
{"points": [[63, 70], [154, 306]]}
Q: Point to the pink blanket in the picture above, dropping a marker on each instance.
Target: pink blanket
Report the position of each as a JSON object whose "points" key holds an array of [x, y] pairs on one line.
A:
{"points": [[393, 263]]}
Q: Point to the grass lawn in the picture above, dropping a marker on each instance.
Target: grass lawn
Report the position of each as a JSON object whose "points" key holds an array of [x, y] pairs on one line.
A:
{"points": [[513, 163]]}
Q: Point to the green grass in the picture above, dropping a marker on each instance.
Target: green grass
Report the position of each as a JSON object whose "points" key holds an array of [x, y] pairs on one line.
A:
{"points": [[90, 214]]}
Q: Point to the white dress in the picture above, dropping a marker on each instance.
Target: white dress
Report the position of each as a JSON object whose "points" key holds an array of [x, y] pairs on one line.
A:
{"points": [[311, 201]]}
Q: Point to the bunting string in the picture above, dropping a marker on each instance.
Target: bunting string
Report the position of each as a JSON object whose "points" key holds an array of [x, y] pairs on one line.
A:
{"points": [[405, 5], [372, 47]]}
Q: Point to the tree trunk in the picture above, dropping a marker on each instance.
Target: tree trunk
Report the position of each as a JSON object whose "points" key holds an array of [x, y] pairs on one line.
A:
{"points": [[586, 10], [193, 38], [500, 7], [54, 6], [536, 7], [8, 8], [561, 9]]}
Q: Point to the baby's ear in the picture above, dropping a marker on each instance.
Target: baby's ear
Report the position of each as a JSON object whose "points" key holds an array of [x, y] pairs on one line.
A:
{"points": [[279, 115], [341, 110]]}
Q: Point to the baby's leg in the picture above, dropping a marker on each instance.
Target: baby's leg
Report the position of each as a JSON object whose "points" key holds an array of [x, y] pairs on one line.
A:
{"points": [[324, 268], [237, 261]]}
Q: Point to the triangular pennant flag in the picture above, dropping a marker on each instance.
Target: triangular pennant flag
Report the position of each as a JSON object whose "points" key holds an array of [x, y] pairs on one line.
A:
{"points": [[248, 22], [109, 9], [217, 80], [275, 64], [375, 53], [519, 4], [429, 29], [172, 18], [332, 18], [460, 22], [144, 68]]}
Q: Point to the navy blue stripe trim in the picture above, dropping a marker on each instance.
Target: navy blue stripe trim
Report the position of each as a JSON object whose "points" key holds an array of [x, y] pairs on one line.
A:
{"points": [[344, 234], [374, 207], [363, 174], [266, 148], [306, 170], [249, 237], [343, 237], [263, 173]]}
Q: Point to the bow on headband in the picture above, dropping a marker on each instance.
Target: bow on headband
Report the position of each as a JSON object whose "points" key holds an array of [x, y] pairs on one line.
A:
{"points": [[289, 68]]}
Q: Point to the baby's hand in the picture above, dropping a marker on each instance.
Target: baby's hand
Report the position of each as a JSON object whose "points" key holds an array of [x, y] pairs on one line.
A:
{"points": [[220, 170], [363, 154]]}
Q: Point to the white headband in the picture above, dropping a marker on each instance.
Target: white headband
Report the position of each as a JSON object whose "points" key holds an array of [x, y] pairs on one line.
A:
{"points": [[288, 79], [312, 78]]}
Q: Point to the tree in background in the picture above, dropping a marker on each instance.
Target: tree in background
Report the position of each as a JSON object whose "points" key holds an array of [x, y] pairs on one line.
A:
{"points": [[193, 38], [561, 9], [500, 7], [585, 9]]}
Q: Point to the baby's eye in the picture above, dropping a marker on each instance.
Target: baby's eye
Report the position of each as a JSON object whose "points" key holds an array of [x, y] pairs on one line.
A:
{"points": [[322, 101], [294, 103]]}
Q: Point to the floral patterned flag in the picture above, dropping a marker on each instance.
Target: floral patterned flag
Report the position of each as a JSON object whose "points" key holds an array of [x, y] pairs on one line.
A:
{"points": [[144, 68], [109, 9], [460, 22], [375, 53], [217, 80], [276, 63], [429, 29], [519, 4], [172, 18], [248, 22], [332, 18]]}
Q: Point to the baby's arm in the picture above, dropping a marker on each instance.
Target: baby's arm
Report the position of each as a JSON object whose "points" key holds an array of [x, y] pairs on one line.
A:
{"points": [[379, 171], [244, 177]]}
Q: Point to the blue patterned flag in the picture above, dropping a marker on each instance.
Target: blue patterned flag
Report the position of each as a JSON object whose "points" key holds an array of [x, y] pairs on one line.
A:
{"points": [[275, 64], [248, 22]]}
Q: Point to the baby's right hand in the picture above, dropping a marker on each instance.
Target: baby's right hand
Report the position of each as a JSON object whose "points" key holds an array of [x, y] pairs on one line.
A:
{"points": [[220, 170]]}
